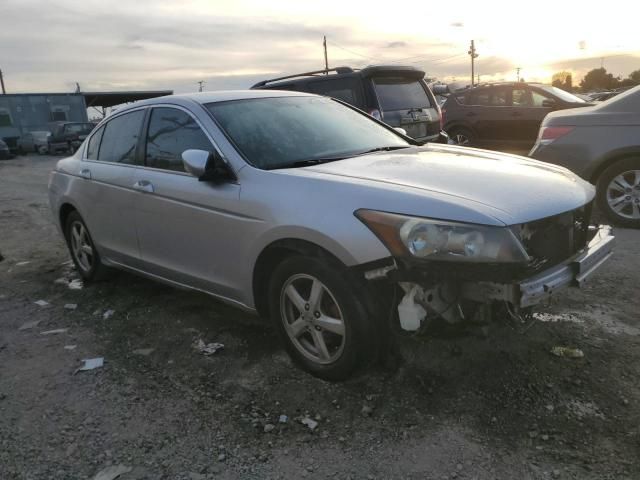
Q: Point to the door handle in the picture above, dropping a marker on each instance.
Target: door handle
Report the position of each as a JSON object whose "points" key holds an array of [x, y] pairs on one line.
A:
{"points": [[516, 114], [85, 173], [144, 186]]}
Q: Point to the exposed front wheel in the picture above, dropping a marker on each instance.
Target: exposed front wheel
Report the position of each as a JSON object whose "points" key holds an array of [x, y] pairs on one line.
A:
{"points": [[82, 249], [618, 192], [321, 318]]}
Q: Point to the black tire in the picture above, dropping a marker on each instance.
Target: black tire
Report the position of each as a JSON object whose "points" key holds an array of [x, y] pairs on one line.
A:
{"points": [[630, 197], [96, 270], [462, 136], [362, 340]]}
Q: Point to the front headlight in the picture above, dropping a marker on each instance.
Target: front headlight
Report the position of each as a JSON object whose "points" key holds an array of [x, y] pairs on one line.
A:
{"points": [[441, 240]]}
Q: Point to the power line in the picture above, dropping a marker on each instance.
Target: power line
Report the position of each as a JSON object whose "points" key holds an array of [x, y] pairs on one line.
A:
{"points": [[350, 51]]}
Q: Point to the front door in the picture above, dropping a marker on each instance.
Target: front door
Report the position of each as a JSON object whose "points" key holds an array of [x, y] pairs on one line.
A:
{"points": [[183, 224]]}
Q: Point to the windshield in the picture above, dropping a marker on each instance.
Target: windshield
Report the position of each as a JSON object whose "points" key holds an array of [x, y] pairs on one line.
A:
{"points": [[400, 93], [561, 94], [279, 132]]}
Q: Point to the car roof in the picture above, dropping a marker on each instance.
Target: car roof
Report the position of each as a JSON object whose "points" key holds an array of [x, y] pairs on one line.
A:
{"points": [[203, 98]]}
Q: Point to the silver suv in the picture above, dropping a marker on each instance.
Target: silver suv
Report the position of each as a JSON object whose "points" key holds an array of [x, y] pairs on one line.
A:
{"points": [[316, 215]]}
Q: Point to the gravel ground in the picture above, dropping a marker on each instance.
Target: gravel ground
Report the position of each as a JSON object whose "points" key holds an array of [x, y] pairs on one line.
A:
{"points": [[465, 406]]}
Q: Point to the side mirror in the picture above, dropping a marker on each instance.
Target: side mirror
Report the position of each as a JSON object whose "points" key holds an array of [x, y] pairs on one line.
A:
{"points": [[207, 166], [548, 103], [400, 130]]}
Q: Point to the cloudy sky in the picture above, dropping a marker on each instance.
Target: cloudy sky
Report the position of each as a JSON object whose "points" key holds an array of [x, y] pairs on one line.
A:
{"points": [[48, 45]]}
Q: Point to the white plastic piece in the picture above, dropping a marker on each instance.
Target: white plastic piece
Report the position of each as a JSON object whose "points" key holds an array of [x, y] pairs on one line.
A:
{"points": [[411, 314]]}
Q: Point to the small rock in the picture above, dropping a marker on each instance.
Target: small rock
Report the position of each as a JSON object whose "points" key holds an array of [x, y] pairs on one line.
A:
{"points": [[70, 306], [459, 466], [283, 419], [367, 410], [108, 314], [41, 303], [269, 428], [544, 437], [555, 473], [625, 402], [222, 457]]}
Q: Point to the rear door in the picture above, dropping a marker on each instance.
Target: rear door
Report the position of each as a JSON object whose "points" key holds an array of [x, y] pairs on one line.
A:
{"points": [[404, 101], [187, 229], [528, 113], [106, 191], [487, 112]]}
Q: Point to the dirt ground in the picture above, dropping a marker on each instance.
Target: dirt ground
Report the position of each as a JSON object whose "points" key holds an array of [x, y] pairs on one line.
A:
{"points": [[467, 407]]}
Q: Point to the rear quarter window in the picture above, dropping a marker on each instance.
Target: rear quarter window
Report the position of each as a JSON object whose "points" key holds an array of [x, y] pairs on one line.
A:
{"points": [[345, 89], [399, 93]]}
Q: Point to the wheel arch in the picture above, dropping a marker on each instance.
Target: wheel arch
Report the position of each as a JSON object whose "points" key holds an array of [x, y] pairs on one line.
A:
{"points": [[63, 213], [611, 158], [272, 255]]}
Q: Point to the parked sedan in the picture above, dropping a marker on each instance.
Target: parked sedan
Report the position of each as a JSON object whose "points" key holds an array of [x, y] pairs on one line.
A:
{"points": [[503, 114], [322, 218], [4, 150], [602, 145], [34, 142]]}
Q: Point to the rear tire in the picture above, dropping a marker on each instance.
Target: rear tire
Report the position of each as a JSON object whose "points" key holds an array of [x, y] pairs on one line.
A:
{"points": [[322, 318], [83, 252], [462, 136], [618, 193]]}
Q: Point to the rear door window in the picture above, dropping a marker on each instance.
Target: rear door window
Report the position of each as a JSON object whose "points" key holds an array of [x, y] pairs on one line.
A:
{"points": [[401, 93], [171, 132], [120, 138], [489, 97], [345, 89]]}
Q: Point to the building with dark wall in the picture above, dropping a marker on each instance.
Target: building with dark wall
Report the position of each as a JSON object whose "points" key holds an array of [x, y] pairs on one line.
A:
{"points": [[26, 112]]}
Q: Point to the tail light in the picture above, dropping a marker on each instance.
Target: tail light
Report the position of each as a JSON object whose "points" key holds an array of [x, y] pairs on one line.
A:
{"points": [[551, 134], [375, 113]]}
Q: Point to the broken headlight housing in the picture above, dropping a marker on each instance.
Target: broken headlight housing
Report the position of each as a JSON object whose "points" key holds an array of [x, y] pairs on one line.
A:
{"points": [[429, 239]]}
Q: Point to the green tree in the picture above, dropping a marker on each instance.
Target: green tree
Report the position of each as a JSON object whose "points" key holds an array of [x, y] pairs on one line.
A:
{"points": [[599, 79], [563, 80], [632, 80]]}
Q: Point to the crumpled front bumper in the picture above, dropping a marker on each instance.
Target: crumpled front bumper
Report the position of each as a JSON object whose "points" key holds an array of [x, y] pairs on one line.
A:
{"points": [[533, 290], [572, 273]]}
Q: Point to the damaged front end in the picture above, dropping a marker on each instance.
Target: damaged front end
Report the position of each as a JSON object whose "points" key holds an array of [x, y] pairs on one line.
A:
{"points": [[464, 272]]}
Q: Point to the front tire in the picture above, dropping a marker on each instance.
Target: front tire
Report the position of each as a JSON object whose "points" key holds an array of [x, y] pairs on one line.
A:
{"points": [[322, 318], [83, 252], [618, 193], [462, 136]]}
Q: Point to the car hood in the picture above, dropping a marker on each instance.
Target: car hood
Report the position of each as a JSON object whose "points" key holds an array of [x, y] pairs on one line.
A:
{"points": [[516, 189]]}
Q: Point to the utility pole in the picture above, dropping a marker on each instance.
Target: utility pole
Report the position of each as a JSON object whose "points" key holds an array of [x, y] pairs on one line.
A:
{"points": [[472, 53], [4, 92], [200, 83], [326, 61], [518, 73]]}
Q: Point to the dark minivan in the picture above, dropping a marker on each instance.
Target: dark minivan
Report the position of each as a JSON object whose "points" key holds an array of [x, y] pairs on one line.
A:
{"points": [[396, 95], [503, 114]]}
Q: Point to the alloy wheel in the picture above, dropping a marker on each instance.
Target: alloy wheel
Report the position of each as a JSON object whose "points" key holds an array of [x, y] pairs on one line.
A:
{"points": [[461, 139], [623, 194], [81, 246], [312, 319]]}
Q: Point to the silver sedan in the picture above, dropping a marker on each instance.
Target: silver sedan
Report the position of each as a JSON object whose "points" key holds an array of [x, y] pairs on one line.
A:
{"points": [[330, 223]]}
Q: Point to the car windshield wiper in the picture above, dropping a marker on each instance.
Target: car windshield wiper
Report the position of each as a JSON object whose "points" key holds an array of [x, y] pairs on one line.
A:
{"points": [[307, 162], [384, 149]]}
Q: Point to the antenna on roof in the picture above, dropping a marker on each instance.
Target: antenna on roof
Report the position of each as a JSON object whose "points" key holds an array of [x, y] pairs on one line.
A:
{"points": [[200, 83], [4, 92]]}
